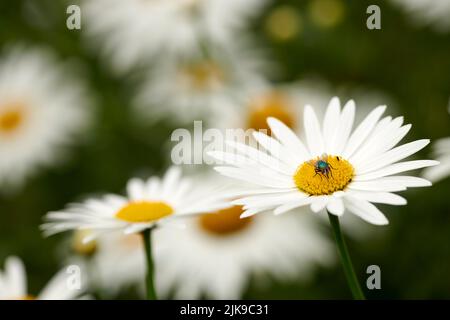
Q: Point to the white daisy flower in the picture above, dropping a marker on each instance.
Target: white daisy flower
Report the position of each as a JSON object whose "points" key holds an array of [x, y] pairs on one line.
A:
{"points": [[441, 151], [132, 32], [148, 203], [336, 169], [200, 86], [216, 253], [114, 261], [13, 284], [42, 107], [432, 12]]}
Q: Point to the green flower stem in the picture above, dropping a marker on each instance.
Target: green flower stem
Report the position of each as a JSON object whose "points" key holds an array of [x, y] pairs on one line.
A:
{"points": [[352, 280], [151, 292]]}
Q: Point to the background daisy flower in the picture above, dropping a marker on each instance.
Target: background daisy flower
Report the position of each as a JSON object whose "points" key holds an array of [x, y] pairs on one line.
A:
{"points": [[148, 203], [441, 152], [13, 284], [132, 32], [199, 86], [337, 169], [42, 110], [216, 253], [114, 262], [430, 12]]}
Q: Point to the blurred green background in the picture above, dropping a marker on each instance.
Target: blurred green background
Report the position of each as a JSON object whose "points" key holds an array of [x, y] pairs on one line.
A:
{"points": [[410, 63]]}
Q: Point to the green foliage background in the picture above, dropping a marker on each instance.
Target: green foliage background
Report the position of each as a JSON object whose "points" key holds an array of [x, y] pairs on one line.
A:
{"points": [[410, 63]]}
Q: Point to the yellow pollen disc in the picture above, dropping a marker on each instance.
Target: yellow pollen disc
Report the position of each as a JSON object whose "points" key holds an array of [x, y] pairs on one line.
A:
{"points": [[224, 222], [270, 105], [310, 182], [10, 118], [144, 211], [203, 75], [85, 249]]}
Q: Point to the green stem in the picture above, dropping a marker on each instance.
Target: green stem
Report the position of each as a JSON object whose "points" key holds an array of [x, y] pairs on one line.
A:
{"points": [[352, 280], [151, 292]]}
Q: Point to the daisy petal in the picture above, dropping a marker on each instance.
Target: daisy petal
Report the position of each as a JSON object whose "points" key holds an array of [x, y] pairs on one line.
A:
{"points": [[313, 133], [331, 122], [336, 207], [396, 168], [344, 128], [288, 138], [363, 131], [365, 210], [290, 206], [380, 197], [392, 156]]}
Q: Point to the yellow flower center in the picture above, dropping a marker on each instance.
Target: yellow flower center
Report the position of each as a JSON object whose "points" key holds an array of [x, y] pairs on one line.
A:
{"points": [[204, 75], [224, 222], [10, 118], [85, 249], [270, 105], [144, 211], [323, 175]]}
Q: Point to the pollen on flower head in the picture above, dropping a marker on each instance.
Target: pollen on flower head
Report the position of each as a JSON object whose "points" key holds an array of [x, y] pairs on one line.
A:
{"points": [[224, 222], [311, 177], [144, 211]]}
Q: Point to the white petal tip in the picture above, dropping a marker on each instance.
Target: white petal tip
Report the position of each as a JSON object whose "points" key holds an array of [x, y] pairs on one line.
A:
{"points": [[246, 214]]}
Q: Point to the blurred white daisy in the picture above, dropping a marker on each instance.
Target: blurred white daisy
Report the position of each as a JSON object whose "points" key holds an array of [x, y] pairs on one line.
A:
{"points": [[148, 203], [113, 262], [256, 105], [200, 86], [286, 103], [337, 169], [441, 152], [133, 31], [432, 12], [217, 253], [13, 284], [42, 108]]}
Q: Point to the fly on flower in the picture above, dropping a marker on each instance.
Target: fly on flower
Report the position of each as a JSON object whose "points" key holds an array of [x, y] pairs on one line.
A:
{"points": [[321, 166]]}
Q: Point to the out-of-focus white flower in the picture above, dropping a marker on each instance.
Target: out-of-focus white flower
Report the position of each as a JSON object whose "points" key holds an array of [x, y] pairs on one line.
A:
{"points": [[147, 204], [114, 261], [201, 86], [286, 103], [339, 168], [42, 108], [133, 31], [441, 151], [13, 284], [216, 254], [432, 12]]}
